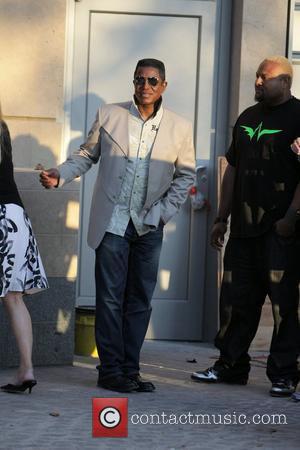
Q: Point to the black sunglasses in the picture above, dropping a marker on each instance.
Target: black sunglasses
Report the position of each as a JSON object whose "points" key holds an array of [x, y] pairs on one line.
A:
{"points": [[141, 81]]}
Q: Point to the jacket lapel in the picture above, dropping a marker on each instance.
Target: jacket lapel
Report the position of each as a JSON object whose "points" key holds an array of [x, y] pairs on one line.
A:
{"points": [[159, 143], [157, 154], [116, 125]]}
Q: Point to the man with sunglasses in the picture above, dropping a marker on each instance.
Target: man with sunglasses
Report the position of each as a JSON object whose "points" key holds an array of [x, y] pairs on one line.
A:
{"points": [[145, 172], [261, 193]]}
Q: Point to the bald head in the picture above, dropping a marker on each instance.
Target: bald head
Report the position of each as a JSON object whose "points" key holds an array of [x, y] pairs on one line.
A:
{"points": [[280, 65]]}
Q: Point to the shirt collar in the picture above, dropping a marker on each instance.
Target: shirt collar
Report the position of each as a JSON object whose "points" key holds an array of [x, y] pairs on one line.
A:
{"points": [[157, 114]]}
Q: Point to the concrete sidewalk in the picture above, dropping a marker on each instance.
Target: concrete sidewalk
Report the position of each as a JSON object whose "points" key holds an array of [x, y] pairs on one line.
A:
{"points": [[58, 413]]}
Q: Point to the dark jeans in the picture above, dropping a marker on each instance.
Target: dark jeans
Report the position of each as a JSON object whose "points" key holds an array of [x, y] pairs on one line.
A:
{"points": [[126, 273], [254, 268]]}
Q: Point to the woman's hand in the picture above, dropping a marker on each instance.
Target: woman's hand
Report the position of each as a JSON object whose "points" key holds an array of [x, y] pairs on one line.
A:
{"points": [[296, 146]]}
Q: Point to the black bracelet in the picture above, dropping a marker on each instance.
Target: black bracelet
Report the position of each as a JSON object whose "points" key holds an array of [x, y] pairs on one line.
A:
{"points": [[220, 220]]}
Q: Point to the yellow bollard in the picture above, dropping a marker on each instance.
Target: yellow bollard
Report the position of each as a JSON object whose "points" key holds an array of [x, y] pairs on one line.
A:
{"points": [[85, 344]]}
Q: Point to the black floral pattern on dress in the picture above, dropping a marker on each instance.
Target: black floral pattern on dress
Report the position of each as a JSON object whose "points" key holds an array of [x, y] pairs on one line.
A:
{"points": [[6, 226], [30, 275], [32, 264]]}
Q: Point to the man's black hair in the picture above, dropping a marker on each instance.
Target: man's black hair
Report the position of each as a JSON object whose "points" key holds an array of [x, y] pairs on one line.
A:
{"points": [[151, 62]]}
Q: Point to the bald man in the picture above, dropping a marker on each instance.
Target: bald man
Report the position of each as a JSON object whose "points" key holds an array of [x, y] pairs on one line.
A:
{"points": [[261, 193]]}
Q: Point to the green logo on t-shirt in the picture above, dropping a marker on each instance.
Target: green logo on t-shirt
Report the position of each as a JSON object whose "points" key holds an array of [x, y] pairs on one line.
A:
{"points": [[259, 131]]}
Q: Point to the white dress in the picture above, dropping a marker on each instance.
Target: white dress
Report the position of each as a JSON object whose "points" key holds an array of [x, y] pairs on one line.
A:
{"points": [[21, 268]]}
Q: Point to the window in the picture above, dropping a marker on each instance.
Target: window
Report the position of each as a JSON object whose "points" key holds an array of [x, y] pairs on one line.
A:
{"points": [[295, 36]]}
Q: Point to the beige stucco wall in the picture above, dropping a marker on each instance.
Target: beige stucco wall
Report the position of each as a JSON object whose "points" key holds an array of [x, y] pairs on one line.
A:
{"points": [[32, 48], [32, 42], [260, 31]]}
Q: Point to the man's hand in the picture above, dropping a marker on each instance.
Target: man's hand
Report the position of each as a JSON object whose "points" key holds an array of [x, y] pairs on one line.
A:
{"points": [[296, 146], [285, 227], [49, 178], [217, 235]]}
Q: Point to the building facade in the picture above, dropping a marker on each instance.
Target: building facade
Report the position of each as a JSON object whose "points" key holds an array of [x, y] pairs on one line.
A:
{"points": [[60, 60]]}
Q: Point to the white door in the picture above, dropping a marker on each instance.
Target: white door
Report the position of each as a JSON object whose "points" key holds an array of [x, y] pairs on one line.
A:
{"points": [[110, 37]]}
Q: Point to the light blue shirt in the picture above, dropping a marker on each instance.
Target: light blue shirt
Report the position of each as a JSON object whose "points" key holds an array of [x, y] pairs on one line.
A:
{"points": [[130, 203]]}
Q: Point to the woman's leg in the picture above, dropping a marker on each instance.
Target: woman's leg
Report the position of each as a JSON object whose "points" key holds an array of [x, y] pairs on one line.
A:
{"points": [[21, 325]]}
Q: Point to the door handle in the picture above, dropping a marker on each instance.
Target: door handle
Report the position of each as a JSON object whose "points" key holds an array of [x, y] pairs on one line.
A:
{"points": [[198, 192]]}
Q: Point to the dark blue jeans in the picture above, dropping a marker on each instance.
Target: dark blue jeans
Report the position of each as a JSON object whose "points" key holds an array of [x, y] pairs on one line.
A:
{"points": [[126, 273], [254, 268]]}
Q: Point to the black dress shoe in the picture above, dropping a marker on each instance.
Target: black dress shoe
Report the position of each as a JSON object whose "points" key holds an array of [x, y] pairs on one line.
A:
{"points": [[118, 383], [282, 388], [143, 385], [215, 375]]}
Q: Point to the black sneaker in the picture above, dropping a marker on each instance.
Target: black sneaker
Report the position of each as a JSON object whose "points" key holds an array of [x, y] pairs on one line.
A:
{"points": [[119, 383], [215, 375], [283, 388]]}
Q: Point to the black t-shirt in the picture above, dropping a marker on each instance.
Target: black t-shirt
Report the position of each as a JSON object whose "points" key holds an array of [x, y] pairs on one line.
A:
{"points": [[267, 170], [8, 189]]}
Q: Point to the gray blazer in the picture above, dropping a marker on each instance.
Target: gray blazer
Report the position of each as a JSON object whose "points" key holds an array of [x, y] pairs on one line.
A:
{"points": [[171, 171]]}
